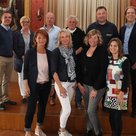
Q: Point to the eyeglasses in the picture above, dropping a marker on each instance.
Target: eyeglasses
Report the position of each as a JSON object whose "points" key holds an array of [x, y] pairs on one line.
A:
{"points": [[25, 22]]}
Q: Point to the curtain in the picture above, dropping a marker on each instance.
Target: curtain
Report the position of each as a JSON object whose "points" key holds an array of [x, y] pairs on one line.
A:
{"points": [[85, 10]]}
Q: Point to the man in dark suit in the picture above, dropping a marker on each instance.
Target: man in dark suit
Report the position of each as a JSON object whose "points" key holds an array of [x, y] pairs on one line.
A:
{"points": [[128, 38]]}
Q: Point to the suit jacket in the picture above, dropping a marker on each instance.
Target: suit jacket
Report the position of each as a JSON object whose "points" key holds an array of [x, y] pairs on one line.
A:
{"points": [[131, 43], [19, 49], [31, 69]]}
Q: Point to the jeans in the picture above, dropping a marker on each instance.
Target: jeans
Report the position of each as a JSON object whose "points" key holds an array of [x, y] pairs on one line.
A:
{"points": [[41, 95], [65, 102], [78, 96], [91, 105]]}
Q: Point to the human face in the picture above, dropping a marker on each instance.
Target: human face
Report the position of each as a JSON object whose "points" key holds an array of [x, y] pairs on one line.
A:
{"points": [[130, 15], [6, 19], [50, 19], [72, 23], [25, 23], [101, 16], [64, 39], [114, 48], [41, 40], [93, 40]]}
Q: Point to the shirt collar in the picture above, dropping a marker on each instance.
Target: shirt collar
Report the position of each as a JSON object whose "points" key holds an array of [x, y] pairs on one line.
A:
{"points": [[130, 25], [5, 27], [45, 26], [28, 32], [71, 31]]}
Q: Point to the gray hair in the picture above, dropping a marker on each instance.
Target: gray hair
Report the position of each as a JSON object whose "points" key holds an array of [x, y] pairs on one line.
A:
{"points": [[72, 17]]}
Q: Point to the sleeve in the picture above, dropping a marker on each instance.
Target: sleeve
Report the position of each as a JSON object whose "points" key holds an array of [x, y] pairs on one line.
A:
{"points": [[26, 65], [101, 80], [79, 69], [54, 61], [15, 44], [126, 75], [115, 30]]}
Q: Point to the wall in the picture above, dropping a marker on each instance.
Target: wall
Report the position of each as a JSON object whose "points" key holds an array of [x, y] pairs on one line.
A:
{"points": [[37, 14], [133, 3]]}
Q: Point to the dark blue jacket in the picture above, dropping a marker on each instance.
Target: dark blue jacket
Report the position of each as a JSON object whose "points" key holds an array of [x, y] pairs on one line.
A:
{"points": [[131, 43], [19, 49], [31, 69]]}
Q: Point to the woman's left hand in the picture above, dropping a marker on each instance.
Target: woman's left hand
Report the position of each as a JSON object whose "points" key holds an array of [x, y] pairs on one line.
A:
{"points": [[120, 96], [93, 94], [75, 86]]}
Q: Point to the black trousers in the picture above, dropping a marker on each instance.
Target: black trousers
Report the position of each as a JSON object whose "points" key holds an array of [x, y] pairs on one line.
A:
{"points": [[41, 95], [115, 118], [133, 82]]}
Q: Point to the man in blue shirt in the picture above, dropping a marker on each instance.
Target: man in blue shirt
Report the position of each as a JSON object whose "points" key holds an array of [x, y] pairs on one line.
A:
{"points": [[53, 31], [128, 38]]}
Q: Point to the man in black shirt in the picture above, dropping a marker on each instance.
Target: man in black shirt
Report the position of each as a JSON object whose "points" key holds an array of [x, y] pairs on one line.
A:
{"points": [[108, 30], [78, 44]]}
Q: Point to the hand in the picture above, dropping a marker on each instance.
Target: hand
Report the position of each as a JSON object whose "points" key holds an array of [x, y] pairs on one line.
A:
{"points": [[93, 94], [63, 92], [27, 90], [75, 86], [120, 97], [82, 89], [134, 66]]}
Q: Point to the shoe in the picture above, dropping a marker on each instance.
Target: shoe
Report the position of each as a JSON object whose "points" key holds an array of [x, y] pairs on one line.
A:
{"points": [[2, 107], [39, 132], [64, 133], [52, 102], [10, 102], [28, 134], [79, 106], [24, 100], [90, 133]]}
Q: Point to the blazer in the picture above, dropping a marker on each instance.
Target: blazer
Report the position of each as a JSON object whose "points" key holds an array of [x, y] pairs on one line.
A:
{"points": [[19, 49], [131, 43], [31, 69]]}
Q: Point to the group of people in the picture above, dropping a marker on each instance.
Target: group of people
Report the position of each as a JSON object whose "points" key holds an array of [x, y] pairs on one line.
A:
{"points": [[66, 61]]}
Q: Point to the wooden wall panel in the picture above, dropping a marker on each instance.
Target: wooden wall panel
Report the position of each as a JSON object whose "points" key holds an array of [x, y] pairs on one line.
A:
{"points": [[37, 14]]}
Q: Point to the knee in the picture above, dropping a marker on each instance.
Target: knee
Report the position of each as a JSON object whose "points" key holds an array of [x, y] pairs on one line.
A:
{"points": [[67, 112]]}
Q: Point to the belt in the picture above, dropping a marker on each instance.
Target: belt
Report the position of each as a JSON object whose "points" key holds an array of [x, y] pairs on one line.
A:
{"points": [[41, 83]]}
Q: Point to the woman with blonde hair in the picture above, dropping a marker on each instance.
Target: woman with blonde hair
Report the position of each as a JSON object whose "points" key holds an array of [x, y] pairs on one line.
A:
{"points": [[23, 41], [94, 61], [63, 71]]}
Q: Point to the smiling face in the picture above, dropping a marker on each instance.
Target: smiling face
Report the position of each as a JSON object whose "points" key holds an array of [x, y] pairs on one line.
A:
{"points": [[49, 19], [101, 15], [64, 39], [72, 23], [40, 40], [114, 48], [25, 23], [6, 19], [93, 40], [130, 15]]}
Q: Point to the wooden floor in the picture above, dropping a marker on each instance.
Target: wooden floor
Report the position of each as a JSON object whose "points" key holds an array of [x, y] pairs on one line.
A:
{"points": [[12, 120]]}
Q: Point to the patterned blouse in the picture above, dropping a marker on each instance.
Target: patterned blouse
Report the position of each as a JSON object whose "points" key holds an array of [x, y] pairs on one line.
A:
{"points": [[117, 79]]}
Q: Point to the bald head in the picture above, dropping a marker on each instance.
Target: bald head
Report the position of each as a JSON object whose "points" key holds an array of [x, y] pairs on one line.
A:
{"points": [[49, 19]]}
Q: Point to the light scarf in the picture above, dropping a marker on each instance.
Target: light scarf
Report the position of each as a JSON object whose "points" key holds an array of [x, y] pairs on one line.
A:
{"points": [[69, 60]]}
